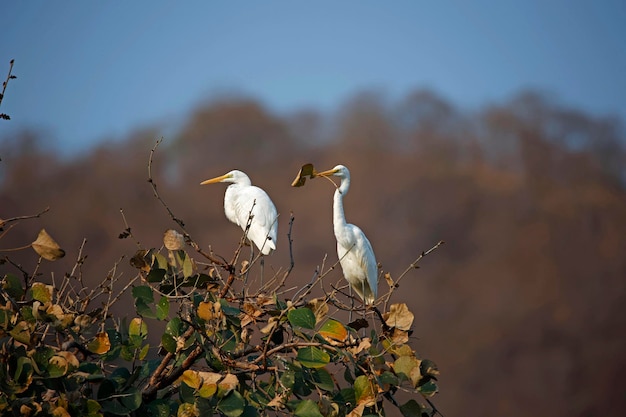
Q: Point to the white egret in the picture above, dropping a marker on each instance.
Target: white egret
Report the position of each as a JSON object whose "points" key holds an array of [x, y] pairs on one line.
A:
{"points": [[242, 202], [355, 252]]}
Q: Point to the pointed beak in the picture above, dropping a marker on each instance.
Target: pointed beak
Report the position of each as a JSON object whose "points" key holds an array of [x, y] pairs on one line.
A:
{"points": [[326, 173], [215, 180]]}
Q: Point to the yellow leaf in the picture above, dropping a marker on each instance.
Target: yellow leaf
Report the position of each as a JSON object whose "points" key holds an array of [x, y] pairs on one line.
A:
{"points": [[209, 383], [60, 412], [101, 344], [306, 170], [332, 330], [191, 378], [138, 327], [399, 317], [357, 411], [205, 311], [70, 358], [46, 247], [188, 410]]}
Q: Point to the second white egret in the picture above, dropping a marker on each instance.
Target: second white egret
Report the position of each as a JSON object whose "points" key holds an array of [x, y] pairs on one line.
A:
{"points": [[245, 202], [355, 252]]}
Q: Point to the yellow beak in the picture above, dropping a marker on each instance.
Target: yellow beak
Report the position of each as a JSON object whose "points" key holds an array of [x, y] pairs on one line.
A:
{"points": [[215, 180], [326, 173]]}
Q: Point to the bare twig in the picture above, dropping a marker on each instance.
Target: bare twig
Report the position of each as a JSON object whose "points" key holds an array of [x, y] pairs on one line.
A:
{"points": [[179, 222], [413, 265], [4, 222], [4, 87]]}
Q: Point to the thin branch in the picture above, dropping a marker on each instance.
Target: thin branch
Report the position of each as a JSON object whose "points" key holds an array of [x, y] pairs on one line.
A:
{"points": [[179, 222], [4, 87], [3, 222], [413, 265]]}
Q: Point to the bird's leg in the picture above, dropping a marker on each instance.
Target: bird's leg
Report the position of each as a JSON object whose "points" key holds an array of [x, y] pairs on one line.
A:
{"points": [[262, 269], [245, 280], [351, 303]]}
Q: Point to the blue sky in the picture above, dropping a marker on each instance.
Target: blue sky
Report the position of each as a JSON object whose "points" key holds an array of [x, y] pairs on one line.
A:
{"points": [[89, 71]]}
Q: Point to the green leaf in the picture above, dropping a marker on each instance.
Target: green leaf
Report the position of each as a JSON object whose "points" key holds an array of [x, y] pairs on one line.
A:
{"points": [[106, 389], [156, 275], [131, 398], [161, 261], [42, 292], [346, 396], [408, 367], [363, 390], [302, 317], [21, 332], [163, 308], [160, 408], [307, 408], [411, 409], [429, 368], [143, 309], [228, 309], [175, 327], [388, 378], [144, 352], [232, 405], [94, 371], [5, 318], [93, 407], [24, 370], [288, 379], [428, 389], [41, 356], [143, 292], [13, 286], [187, 267], [114, 407], [313, 357], [57, 366], [168, 343], [322, 379]]}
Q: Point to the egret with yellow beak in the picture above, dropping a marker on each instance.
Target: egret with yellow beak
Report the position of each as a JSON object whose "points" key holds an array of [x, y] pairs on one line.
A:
{"points": [[355, 252], [242, 202]]}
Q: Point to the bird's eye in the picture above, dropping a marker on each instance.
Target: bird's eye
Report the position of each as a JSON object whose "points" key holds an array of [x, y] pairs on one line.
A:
{"points": [[269, 238]]}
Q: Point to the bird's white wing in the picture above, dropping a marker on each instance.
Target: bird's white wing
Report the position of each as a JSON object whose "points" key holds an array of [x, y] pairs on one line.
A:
{"points": [[367, 260], [358, 262], [264, 224]]}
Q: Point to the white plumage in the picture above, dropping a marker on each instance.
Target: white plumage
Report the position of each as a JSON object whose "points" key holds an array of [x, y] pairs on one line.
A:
{"points": [[355, 252], [242, 200]]}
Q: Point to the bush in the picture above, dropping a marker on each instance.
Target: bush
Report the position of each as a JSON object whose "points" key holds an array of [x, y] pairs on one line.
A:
{"points": [[226, 348]]}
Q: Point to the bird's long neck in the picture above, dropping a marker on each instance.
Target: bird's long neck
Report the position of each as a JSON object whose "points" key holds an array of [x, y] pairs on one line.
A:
{"points": [[339, 218]]}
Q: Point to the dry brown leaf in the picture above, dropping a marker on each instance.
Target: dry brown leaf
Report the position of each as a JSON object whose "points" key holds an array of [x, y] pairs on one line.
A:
{"points": [[307, 170], [319, 308], [173, 240], [389, 280], [46, 247], [399, 317]]}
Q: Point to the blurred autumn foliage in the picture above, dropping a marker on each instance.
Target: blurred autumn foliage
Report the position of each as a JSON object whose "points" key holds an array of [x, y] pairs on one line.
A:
{"points": [[523, 309]]}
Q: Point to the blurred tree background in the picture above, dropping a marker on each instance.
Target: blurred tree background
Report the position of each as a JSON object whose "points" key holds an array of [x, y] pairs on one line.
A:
{"points": [[523, 309]]}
